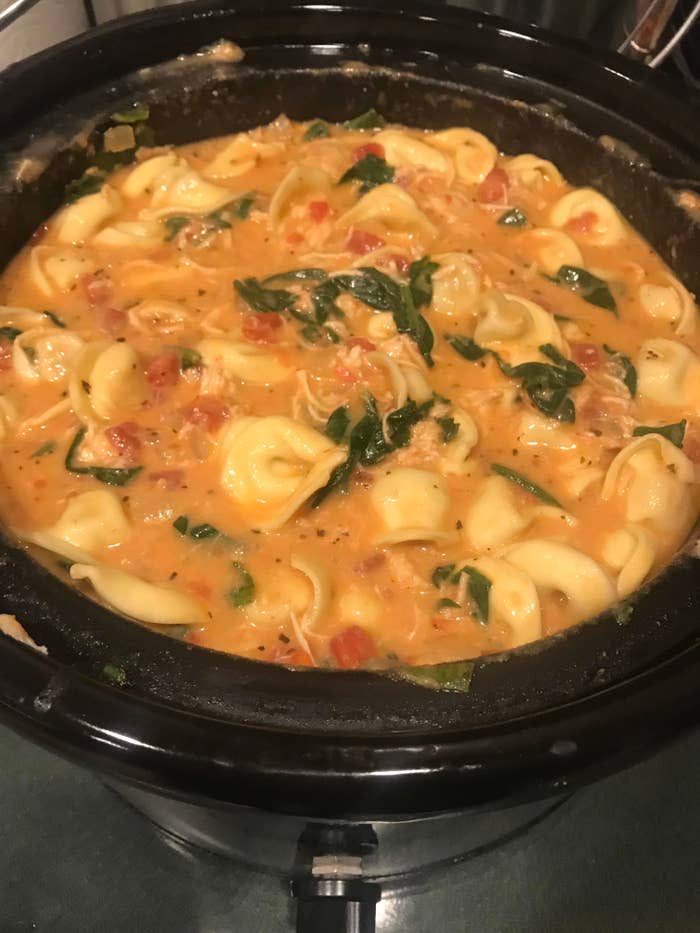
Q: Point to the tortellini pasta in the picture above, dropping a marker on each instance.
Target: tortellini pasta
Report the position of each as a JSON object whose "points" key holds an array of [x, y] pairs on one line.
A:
{"points": [[299, 185], [412, 505], [137, 234], [456, 285], [494, 516], [108, 379], [551, 249], [537, 431], [58, 270], [473, 153], [240, 156], [243, 361], [91, 522], [606, 226], [391, 207], [670, 302], [403, 149], [288, 591], [8, 415], [381, 326], [175, 188], [515, 327], [654, 478], [77, 222], [513, 599], [45, 354], [560, 568], [669, 373], [358, 605], [532, 172], [147, 602], [455, 460], [320, 583], [273, 464], [631, 552]]}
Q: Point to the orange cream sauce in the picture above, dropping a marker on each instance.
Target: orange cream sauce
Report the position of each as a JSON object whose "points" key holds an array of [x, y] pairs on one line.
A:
{"points": [[173, 293]]}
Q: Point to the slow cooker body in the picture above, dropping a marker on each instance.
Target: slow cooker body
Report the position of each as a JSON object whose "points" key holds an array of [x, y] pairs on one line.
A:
{"points": [[206, 727]]}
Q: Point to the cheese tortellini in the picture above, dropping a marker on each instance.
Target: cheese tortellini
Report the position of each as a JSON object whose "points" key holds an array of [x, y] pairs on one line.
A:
{"points": [[515, 327], [456, 285], [174, 187], [108, 379], [669, 374], [273, 464], [390, 207], [403, 149], [532, 172], [494, 517], [77, 222], [412, 505], [240, 156], [670, 302], [551, 249], [631, 552], [513, 599], [8, 415], [606, 227], [473, 153], [45, 354], [58, 270], [300, 184], [243, 361]]}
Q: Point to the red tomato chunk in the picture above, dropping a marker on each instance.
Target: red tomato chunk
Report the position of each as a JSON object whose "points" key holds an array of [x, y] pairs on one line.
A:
{"points": [[362, 342], [207, 411], [260, 328], [494, 187], [375, 149], [584, 223], [352, 647], [318, 210], [171, 479], [585, 355], [125, 439], [164, 370], [361, 241]]}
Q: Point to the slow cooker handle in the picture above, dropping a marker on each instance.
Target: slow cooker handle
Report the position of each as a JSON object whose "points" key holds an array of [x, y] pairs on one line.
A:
{"points": [[335, 905]]}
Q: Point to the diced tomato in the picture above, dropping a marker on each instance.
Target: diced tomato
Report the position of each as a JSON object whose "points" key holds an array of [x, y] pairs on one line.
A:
{"points": [[98, 289], [583, 223], [585, 355], [171, 479], [375, 149], [402, 264], [344, 375], [164, 370], [494, 187], [368, 564], [294, 239], [318, 210], [5, 354], [207, 411], [352, 647], [110, 320], [362, 342], [361, 241], [199, 588], [691, 441], [299, 658], [260, 328], [125, 439]]}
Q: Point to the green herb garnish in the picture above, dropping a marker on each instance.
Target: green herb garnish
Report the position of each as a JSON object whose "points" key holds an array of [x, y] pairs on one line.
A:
{"points": [[319, 129], [245, 593], [525, 484], [628, 372], [371, 170], [47, 448], [672, 432], [513, 218], [369, 120], [337, 425], [592, 289], [109, 475]]}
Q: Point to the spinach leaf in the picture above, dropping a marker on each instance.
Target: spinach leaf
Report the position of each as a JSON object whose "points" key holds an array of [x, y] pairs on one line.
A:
{"points": [[337, 425], [173, 225], [513, 218], [139, 113], [400, 421], [442, 574], [54, 318], [188, 358], [296, 275], [628, 371], [89, 183], [263, 299], [450, 428], [241, 207], [478, 588], [409, 321], [113, 675], [9, 333], [108, 160], [672, 432], [47, 448], [592, 289], [111, 476], [370, 120], [243, 594], [452, 675], [466, 347], [371, 170], [372, 287], [420, 280], [525, 484], [319, 129], [205, 530], [181, 524], [445, 603], [547, 386]]}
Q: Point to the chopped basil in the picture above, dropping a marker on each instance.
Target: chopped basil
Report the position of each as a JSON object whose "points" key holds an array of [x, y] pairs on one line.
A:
{"points": [[319, 129], [420, 280], [525, 484], [54, 318], [296, 275], [181, 524], [628, 372], [173, 225], [513, 218], [113, 675], [47, 448], [450, 428], [592, 289], [139, 113], [445, 603], [188, 358], [371, 170], [369, 120], [89, 183], [478, 589], [672, 432], [245, 593], [111, 476], [263, 299], [9, 333], [466, 347], [442, 574], [337, 425], [453, 675]]}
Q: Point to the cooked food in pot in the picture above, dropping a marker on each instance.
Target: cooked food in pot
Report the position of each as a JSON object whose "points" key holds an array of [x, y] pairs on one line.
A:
{"points": [[346, 396]]}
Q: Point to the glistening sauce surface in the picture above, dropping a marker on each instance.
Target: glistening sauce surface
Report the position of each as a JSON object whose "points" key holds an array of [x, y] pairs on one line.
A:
{"points": [[450, 406]]}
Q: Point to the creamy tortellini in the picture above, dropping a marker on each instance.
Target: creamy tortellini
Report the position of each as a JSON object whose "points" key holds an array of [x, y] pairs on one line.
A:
{"points": [[348, 395]]}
